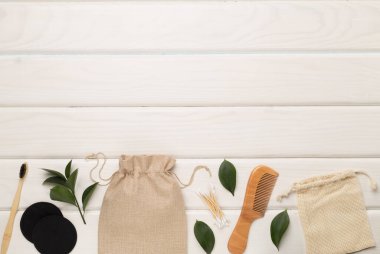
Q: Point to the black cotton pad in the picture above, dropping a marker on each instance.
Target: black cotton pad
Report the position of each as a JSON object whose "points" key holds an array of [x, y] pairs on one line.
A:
{"points": [[33, 214], [54, 235]]}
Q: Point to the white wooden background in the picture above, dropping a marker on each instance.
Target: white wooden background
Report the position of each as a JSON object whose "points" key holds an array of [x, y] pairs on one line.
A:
{"points": [[290, 84]]}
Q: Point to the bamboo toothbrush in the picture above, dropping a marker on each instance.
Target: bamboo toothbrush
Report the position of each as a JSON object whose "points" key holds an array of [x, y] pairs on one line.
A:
{"points": [[259, 190], [16, 201]]}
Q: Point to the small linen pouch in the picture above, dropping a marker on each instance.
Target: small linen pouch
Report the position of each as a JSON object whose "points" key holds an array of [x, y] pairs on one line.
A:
{"points": [[143, 210], [333, 214]]}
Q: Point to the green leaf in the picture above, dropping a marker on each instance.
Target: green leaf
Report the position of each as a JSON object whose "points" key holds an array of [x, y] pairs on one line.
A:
{"points": [[64, 191], [278, 227], [68, 169], [54, 173], [71, 181], [204, 236], [60, 193], [87, 195], [55, 180], [227, 176]]}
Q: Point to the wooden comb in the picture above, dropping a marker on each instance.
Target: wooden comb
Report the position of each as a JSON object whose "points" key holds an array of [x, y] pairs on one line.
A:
{"points": [[259, 190]]}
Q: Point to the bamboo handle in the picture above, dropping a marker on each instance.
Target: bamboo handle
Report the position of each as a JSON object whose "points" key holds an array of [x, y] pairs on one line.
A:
{"points": [[9, 228], [239, 237]]}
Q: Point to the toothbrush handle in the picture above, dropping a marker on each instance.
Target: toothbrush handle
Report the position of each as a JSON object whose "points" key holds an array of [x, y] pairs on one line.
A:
{"points": [[9, 228]]}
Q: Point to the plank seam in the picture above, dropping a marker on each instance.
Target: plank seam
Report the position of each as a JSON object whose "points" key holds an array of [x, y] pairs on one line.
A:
{"points": [[193, 107], [188, 52], [284, 105], [18, 157]]}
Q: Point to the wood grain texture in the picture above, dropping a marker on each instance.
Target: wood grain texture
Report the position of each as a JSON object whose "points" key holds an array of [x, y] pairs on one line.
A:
{"points": [[191, 132], [190, 80], [259, 238], [289, 84], [290, 170], [140, 26]]}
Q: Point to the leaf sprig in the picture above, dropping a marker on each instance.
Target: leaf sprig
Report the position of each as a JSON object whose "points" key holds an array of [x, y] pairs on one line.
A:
{"points": [[227, 176], [278, 227], [64, 189], [204, 235]]}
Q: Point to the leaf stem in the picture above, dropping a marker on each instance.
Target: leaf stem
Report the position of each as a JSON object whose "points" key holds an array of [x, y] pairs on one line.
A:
{"points": [[80, 210]]}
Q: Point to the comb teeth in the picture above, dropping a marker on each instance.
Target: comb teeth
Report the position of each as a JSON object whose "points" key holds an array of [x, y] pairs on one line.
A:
{"points": [[263, 193]]}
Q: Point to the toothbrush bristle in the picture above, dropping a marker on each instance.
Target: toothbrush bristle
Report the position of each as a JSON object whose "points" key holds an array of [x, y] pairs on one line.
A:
{"points": [[23, 170]]}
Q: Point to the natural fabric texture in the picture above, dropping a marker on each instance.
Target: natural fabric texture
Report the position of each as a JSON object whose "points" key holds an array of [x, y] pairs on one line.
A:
{"points": [[143, 210], [333, 214]]}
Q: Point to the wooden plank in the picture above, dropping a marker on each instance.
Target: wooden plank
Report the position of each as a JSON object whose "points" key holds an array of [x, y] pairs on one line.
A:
{"points": [[191, 132], [141, 26], [259, 238], [290, 170], [190, 80]]}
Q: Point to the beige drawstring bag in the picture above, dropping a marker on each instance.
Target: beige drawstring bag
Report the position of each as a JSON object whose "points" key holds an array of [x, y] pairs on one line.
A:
{"points": [[143, 210], [333, 213]]}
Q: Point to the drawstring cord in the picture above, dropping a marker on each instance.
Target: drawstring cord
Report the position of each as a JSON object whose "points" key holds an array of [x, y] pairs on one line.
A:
{"points": [[371, 180], [97, 157], [294, 186], [107, 181], [287, 194], [197, 168]]}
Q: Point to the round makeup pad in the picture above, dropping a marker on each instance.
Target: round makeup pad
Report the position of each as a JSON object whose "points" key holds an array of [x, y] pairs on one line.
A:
{"points": [[54, 235], [33, 214]]}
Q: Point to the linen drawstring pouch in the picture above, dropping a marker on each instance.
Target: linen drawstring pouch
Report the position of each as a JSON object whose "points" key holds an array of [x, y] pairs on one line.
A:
{"points": [[143, 210], [333, 214]]}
